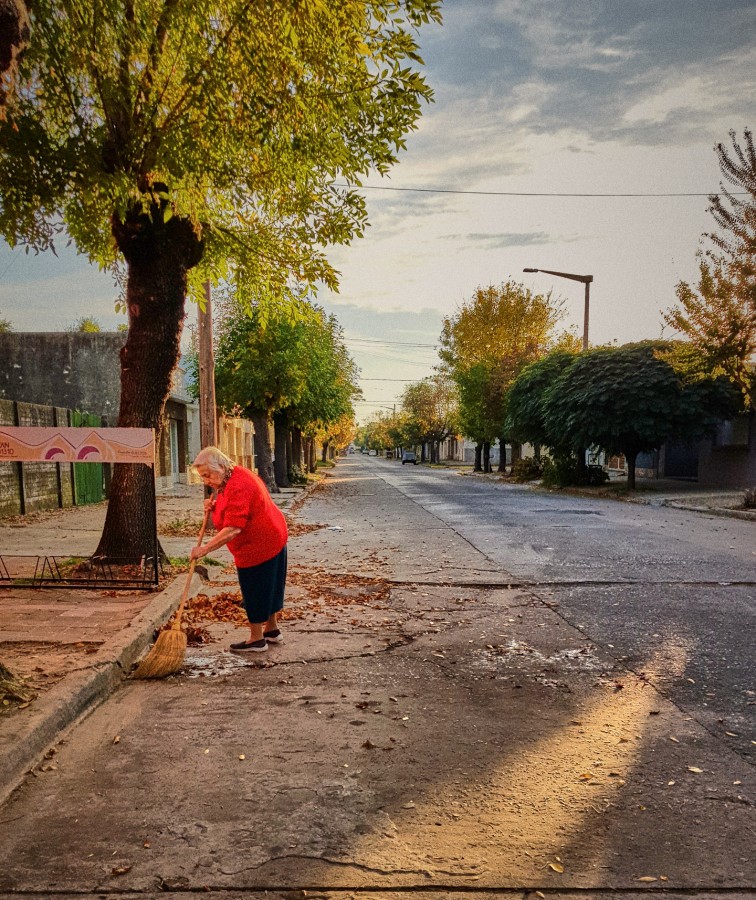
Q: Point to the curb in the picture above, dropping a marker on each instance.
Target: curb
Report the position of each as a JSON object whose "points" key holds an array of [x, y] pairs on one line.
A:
{"points": [[80, 692], [722, 511]]}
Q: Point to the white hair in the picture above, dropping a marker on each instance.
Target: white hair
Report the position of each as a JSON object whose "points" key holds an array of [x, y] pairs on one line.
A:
{"points": [[215, 460]]}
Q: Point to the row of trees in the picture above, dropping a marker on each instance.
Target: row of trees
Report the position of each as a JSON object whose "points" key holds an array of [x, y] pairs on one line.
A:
{"points": [[428, 414], [285, 364]]}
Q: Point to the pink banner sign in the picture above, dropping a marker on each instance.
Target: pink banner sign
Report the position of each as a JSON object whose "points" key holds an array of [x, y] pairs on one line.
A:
{"points": [[54, 445]]}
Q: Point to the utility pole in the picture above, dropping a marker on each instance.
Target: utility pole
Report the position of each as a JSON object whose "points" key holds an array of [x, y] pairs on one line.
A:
{"points": [[208, 430]]}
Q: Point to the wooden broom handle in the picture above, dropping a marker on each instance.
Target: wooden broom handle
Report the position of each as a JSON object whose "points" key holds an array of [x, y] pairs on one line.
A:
{"points": [[192, 564]]}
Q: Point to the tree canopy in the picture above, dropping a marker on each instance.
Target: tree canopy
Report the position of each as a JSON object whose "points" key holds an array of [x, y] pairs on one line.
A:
{"points": [[495, 333], [527, 418], [628, 400], [430, 409], [245, 113]]}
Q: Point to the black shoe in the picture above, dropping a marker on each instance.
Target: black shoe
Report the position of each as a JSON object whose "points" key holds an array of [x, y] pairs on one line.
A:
{"points": [[254, 647], [274, 637]]}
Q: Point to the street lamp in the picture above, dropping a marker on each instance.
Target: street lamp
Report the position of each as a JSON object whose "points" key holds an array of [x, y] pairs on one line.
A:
{"points": [[586, 279]]}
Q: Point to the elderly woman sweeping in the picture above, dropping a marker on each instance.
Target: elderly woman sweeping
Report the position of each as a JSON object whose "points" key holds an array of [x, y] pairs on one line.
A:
{"points": [[254, 528]]}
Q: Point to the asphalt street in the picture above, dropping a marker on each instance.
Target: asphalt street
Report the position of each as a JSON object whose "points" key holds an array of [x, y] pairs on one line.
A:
{"points": [[670, 593], [485, 690]]}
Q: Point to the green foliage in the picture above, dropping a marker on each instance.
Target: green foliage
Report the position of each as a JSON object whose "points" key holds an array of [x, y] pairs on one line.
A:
{"points": [[485, 345], [85, 325], [289, 358], [6, 326], [247, 113], [429, 408], [528, 421], [560, 471], [331, 382], [183, 562], [628, 400], [527, 468], [297, 475], [260, 360]]}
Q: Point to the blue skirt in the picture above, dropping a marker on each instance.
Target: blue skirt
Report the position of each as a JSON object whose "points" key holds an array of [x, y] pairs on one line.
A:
{"points": [[262, 587]]}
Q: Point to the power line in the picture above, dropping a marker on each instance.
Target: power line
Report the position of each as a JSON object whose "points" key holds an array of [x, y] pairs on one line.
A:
{"points": [[379, 187], [389, 343]]}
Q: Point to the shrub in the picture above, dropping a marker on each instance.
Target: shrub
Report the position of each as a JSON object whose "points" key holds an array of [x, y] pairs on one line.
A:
{"points": [[527, 469], [297, 475], [749, 498], [561, 471]]}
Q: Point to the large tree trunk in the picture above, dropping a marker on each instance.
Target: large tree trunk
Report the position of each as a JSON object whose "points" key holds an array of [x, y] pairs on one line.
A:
{"points": [[486, 456], [14, 37], [289, 454], [312, 456], [158, 254], [502, 456], [263, 451], [296, 448], [324, 451], [478, 466], [280, 429], [631, 458]]}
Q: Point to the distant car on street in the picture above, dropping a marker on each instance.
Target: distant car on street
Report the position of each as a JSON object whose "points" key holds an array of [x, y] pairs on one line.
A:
{"points": [[409, 456], [373, 453]]}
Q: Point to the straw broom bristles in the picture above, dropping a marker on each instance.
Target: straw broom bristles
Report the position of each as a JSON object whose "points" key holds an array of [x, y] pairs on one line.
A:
{"points": [[166, 656], [167, 653]]}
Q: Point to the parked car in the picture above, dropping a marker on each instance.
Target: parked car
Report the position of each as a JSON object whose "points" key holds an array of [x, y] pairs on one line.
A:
{"points": [[409, 456], [373, 453]]}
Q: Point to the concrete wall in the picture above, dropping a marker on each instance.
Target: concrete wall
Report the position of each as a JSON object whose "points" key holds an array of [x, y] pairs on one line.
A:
{"points": [[72, 370]]}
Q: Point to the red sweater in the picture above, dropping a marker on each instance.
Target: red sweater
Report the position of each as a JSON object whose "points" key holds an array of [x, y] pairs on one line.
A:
{"points": [[244, 502]]}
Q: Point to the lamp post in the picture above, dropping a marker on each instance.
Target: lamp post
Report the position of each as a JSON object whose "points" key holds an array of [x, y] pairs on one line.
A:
{"points": [[586, 280]]}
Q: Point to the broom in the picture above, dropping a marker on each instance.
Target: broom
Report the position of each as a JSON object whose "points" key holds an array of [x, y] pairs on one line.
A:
{"points": [[167, 654]]}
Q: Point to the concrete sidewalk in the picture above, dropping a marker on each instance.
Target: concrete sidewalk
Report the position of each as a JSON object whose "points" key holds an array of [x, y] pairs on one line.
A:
{"points": [[73, 646]]}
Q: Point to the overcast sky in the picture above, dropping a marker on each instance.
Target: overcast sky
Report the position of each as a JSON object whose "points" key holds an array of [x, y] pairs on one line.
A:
{"points": [[531, 97]]}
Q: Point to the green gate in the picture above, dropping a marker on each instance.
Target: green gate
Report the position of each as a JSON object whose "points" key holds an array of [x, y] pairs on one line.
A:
{"points": [[89, 483]]}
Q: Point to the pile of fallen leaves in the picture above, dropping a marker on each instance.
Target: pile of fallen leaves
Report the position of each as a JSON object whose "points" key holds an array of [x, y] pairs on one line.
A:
{"points": [[224, 607], [317, 591], [13, 690]]}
